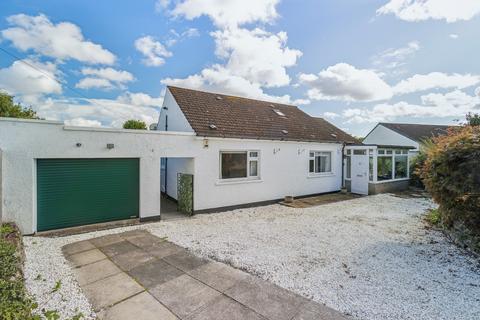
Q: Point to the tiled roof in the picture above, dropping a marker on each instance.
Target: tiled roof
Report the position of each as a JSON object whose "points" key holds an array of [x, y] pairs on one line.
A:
{"points": [[219, 115], [416, 132]]}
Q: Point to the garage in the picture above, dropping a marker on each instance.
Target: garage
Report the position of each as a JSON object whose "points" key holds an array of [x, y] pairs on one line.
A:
{"points": [[74, 192]]}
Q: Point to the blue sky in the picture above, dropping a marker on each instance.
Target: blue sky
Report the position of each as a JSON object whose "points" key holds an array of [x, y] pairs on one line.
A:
{"points": [[352, 62]]}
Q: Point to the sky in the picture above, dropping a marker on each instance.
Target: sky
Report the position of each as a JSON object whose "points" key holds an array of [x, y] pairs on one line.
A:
{"points": [[354, 63]]}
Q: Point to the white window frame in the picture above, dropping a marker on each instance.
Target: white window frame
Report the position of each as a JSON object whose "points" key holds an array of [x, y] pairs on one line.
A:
{"points": [[314, 158], [250, 158]]}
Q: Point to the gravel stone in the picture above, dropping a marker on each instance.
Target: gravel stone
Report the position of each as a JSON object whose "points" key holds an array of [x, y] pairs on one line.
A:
{"points": [[371, 257]]}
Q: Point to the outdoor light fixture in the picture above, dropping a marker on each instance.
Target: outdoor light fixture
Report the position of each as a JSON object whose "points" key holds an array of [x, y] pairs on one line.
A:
{"points": [[110, 146], [78, 144], [205, 143]]}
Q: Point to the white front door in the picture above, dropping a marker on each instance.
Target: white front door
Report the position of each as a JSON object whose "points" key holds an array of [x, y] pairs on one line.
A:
{"points": [[359, 171]]}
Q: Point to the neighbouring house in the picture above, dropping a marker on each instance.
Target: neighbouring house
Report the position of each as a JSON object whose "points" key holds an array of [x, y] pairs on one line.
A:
{"points": [[383, 159], [404, 134], [210, 152]]}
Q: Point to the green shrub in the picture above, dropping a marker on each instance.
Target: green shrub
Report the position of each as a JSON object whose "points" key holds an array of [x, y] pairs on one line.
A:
{"points": [[433, 217], [134, 124], [15, 303], [451, 173]]}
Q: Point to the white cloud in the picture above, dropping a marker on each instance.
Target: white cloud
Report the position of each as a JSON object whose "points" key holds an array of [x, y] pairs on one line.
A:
{"points": [[395, 57], [227, 13], [108, 112], [104, 78], [81, 122], [420, 10], [88, 83], [345, 82], [452, 104], [453, 36], [176, 36], [256, 55], [422, 82], [219, 79], [140, 99], [30, 82], [331, 115], [252, 59], [61, 41], [153, 51]]}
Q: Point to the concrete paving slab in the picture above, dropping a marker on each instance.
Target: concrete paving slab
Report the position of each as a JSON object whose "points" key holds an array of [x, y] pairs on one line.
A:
{"points": [[86, 257], [218, 275], [142, 307], [111, 290], [266, 299], [106, 240], [164, 249], [154, 273], [225, 308], [95, 271], [185, 261], [77, 247], [184, 295], [146, 241], [133, 233], [118, 248], [321, 311], [132, 259]]}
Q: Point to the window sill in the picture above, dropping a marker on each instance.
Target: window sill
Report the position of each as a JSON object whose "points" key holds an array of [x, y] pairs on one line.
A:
{"points": [[237, 181], [320, 175]]}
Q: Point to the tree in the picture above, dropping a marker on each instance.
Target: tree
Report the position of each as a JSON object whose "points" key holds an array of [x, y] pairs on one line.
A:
{"points": [[10, 109], [134, 124], [473, 119]]}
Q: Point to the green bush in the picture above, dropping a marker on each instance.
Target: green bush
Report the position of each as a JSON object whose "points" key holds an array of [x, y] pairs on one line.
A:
{"points": [[14, 301], [134, 124], [451, 173]]}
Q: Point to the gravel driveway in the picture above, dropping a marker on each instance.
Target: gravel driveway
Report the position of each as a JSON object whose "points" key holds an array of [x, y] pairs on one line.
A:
{"points": [[370, 257]]}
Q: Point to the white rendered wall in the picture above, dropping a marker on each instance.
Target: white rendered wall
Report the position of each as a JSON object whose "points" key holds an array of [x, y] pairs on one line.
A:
{"points": [[385, 136], [176, 118], [175, 166], [282, 173], [283, 165], [24, 141]]}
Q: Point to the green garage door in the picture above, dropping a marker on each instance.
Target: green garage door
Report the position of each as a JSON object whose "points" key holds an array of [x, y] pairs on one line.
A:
{"points": [[73, 192]]}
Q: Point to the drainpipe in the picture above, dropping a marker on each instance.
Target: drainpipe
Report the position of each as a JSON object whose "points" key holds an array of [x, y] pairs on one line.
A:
{"points": [[166, 159], [343, 165]]}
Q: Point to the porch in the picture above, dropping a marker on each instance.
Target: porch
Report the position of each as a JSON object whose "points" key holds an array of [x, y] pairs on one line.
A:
{"points": [[373, 169]]}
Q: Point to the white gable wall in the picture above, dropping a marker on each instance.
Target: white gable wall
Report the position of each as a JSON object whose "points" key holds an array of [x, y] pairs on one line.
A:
{"points": [[384, 136], [176, 119]]}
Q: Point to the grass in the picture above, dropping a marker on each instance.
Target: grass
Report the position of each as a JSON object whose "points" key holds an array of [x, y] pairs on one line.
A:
{"points": [[15, 302], [433, 217]]}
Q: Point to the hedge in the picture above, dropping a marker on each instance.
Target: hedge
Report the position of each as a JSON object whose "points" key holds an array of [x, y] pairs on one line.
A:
{"points": [[451, 173]]}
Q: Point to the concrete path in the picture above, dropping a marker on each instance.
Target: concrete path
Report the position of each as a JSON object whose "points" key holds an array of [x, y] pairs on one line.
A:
{"points": [[135, 275]]}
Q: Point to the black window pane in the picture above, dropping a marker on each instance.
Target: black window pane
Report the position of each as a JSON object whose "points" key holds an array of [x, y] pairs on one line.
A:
{"points": [[384, 168], [401, 163], [312, 166], [234, 165]]}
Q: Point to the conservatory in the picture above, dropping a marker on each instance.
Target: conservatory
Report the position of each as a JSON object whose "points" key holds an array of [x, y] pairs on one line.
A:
{"points": [[372, 169]]}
